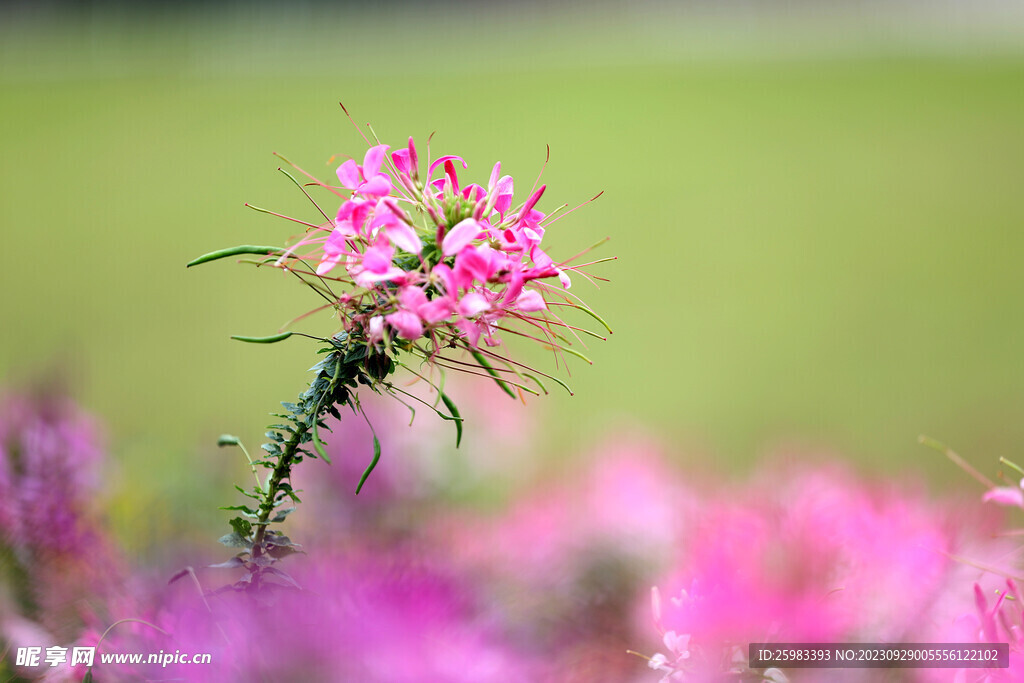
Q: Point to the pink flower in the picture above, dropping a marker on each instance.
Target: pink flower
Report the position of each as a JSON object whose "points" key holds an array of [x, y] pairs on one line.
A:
{"points": [[358, 617], [1005, 495], [802, 557], [367, 179], [460, 236], [438, 260]]}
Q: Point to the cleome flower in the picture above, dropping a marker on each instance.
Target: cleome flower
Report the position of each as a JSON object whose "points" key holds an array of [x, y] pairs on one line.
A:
{"points": [[428, 263], [415, 265]]}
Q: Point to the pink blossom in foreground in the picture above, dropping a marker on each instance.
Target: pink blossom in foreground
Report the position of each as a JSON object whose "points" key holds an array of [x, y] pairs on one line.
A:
{"points": [[624, 501], [382, 619], [810, 556], [569, 555]]}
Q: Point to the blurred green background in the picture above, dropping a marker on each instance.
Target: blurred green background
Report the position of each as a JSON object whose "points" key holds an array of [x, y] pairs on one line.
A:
{"points": [[816, 211]]}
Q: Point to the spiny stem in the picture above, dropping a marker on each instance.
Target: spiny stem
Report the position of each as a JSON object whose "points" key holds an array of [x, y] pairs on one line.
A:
{"points": [[281, 471]]}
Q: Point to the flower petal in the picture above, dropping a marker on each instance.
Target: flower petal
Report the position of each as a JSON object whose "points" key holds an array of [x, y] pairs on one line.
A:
{"points": [[376, 331], [348, 174], [443, 159], [1004, 495], [460, 236], [377, 186], [437, 310], [406, 323], [404, 237], [530, 301], [473, 304], [373, 159], [401, 160]]}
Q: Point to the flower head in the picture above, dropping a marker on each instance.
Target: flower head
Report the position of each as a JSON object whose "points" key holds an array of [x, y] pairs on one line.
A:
{"points": [[432, 263]]}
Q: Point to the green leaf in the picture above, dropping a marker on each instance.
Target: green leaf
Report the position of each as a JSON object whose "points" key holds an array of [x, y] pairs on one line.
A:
{"points": [[88, 677], [241, 526], [318, 444], [453, 409], [483, 362], [235, 251], [233, 540], [239, 508], [281, 514], [233, 563], [248, 494], [228, 440], [285, 577], [373, 463]]}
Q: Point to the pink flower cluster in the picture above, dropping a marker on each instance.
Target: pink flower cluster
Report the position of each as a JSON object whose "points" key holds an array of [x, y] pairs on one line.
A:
{"points": [[815, 556], [49, 470], [429, 257], [55, 554], [360, 616]]}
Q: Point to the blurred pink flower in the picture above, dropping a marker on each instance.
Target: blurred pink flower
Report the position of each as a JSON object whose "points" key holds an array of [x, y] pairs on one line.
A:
{"points": [[59, 556], [803, 556], [626, 503], [386, 617], [1012, 496]]}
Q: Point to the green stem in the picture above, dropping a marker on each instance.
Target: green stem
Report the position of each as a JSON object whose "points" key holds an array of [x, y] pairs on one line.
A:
{"points": [[281, 472]]}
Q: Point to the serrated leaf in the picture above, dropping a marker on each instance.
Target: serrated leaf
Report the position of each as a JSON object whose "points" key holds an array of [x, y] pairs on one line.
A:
{"points": [[286, 578], [241, 508], [281, 551], [248, 494], [233, 540], [233, 563], [282, 514], [241, 526]]}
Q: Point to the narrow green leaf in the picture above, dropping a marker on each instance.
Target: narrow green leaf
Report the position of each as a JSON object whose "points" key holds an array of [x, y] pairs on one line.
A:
{"points": [[262, 340], [373, 463], [235, 251], [453, 409], [227, 440], [318, 444], [485, 364], [239, 508]]}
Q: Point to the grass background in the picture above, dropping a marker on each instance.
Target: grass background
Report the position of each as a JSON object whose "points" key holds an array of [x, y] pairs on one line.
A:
{"points": [[818, 227]]}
